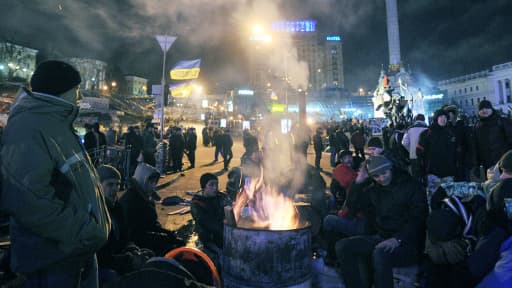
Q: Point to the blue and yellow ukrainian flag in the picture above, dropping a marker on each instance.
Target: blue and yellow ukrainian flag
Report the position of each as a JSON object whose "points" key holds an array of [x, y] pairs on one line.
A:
{"points": [[181, 90], [185, 70]]}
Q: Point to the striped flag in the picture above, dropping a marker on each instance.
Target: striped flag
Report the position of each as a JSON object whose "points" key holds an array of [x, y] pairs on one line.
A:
{"points": [[185, 70]]}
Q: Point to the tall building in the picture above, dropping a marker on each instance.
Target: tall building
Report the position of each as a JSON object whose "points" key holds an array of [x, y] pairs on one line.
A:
{"points": [[493, 84], [323, 54], [135, 86], [16, 62], [93, 72]]}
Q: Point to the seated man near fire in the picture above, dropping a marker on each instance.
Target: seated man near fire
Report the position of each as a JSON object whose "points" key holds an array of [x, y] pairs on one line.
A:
{"points": [[139, 212], [208, 212], [397, 212]]}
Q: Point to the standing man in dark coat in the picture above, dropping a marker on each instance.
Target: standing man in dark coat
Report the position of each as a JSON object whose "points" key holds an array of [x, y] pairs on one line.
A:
{"points": [[134, 143], [191, 146], [492, 135], [51, 191], [319, 146], [397, 211], [149, 144], [437, 148], [177, 146], [227, 146]]}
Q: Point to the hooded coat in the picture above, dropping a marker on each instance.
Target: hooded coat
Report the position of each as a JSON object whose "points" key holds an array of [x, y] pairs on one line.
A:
{"points": [[139, 212], [50, 188]]}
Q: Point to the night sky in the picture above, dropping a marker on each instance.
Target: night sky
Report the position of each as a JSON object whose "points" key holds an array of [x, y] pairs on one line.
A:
{"points": [[440, 39]]}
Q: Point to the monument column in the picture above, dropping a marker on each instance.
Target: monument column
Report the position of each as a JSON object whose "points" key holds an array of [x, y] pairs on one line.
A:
{"points": [[393, 35]]}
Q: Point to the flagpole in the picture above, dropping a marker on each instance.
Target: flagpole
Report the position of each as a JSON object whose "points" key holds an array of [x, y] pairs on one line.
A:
{"points": [[165, 43], [162, 120]]}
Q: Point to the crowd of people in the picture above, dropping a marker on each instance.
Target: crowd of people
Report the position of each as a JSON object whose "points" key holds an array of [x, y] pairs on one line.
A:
{"points": [[434, 197], [429, 198]]}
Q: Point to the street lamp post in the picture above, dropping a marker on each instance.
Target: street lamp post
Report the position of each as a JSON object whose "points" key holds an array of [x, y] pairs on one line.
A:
{"points": [[165, 43]]}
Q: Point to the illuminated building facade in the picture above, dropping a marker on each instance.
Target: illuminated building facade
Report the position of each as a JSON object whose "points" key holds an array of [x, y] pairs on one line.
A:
{"points": [[92, 71], [493, 84], [16, 62], [135, 86]]}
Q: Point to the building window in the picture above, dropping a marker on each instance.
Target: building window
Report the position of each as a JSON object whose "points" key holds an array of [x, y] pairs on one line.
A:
{"points": [[460, 91], [465, 90], [472, 102], [476, 87], [471, 89], [466, 102], [478, 100]]}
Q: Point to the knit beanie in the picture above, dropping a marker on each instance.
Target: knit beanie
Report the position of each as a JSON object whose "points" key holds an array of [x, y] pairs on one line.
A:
{"points": [[505, 162], [108, 172], [375, 142], [484, 104], [54, 78], [205, 178], [378, 164]]}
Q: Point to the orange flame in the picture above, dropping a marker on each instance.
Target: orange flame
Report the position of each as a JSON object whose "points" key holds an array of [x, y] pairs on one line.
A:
{"points": [[260, 205]]}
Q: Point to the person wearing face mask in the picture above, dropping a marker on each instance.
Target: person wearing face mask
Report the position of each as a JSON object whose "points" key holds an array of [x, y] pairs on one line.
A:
{"points": [[397, 212], [139, 212], [492, 136]]}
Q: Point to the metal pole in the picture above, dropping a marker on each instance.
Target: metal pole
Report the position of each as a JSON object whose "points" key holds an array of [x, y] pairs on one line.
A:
{"points": [[162, 121]]}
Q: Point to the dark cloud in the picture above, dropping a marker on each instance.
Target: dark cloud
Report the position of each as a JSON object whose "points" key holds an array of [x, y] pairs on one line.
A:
{"points": [[439, 39]]}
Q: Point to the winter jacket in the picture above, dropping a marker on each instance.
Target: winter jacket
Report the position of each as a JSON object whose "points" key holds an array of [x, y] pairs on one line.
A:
{"points": [[318, 143], [50, 188], [501, 276], [342, 178], [139, 212], [357, 139], [437, 150], [412, 136], [496, 204], [399, 209], [492, 138], [208, 214]]}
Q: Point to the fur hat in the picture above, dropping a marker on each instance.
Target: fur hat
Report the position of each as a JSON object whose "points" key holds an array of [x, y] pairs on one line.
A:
{"points": [[108, 172], [484, 104], [378, 164], [505, 162], [54, 78], [375, 142], [205, 178]]}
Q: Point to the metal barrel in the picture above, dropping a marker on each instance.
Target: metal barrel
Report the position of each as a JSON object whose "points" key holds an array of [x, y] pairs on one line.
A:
{"points": [[266, 258]]}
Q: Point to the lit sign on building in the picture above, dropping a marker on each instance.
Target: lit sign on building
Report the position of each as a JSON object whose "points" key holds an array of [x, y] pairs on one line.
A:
{"points": [[431, 97], [333, 38], [245, 92], [294, 26]]}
